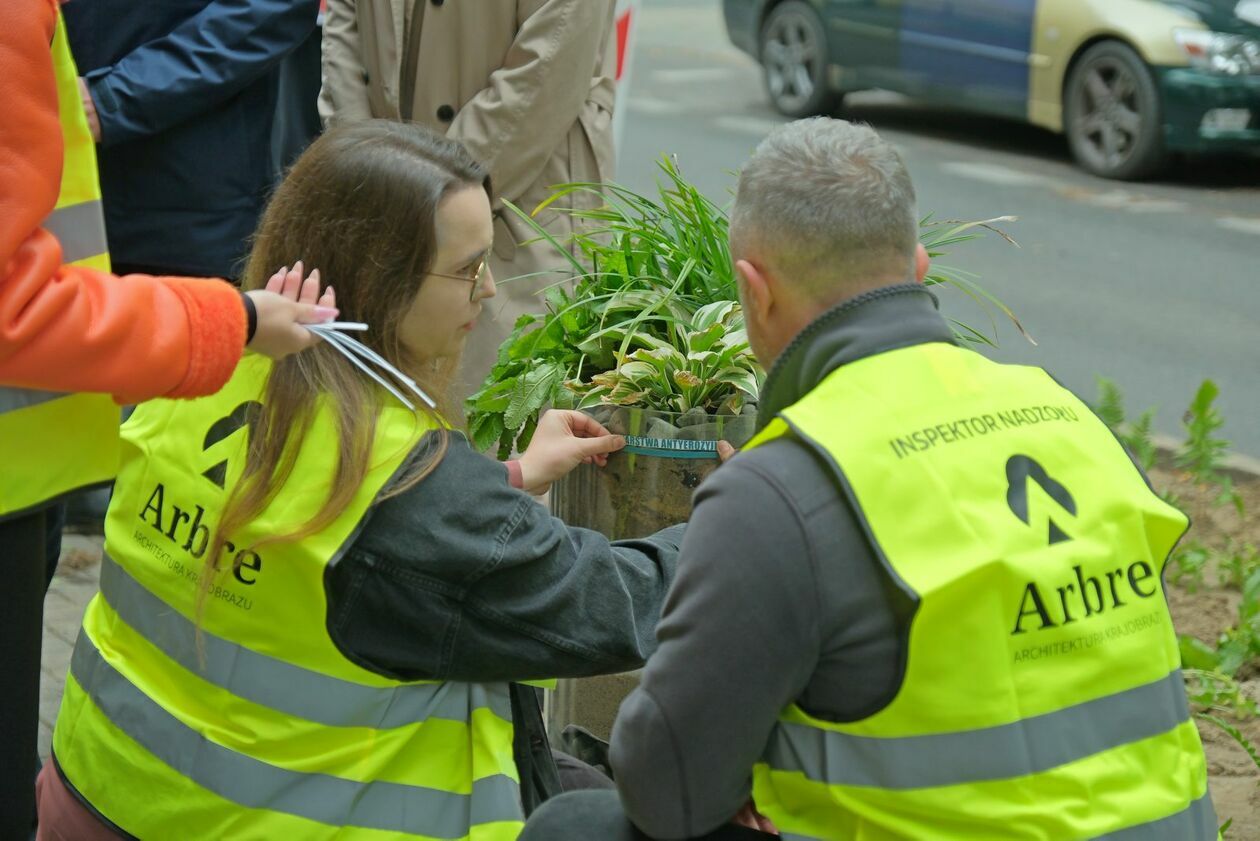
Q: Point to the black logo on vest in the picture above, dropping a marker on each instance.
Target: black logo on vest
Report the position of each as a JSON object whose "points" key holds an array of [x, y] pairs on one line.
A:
{"points": [[1020, 470], [1081, 596], [244, 415], [179, 533]]}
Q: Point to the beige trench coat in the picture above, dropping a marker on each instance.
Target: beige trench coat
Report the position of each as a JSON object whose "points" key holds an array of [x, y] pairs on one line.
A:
{"points": [[526, 85]]}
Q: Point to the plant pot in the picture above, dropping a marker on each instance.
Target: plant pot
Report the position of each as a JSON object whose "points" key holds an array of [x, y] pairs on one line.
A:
{"points": [[645, 488], [649, 485]]}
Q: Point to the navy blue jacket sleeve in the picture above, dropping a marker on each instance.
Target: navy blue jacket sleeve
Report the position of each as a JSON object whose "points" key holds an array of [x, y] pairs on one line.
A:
{"points": [[201, 63]]}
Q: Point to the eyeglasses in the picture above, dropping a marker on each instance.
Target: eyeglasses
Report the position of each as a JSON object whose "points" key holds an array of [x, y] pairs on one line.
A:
{"points": [[475, 276]]}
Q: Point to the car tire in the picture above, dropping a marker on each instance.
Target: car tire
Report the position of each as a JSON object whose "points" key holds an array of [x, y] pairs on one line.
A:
{"points": [[794, 56], [1113, 116]]}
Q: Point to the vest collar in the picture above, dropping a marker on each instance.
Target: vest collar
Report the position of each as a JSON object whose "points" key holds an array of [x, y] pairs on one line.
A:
{"points": [[874, 322]]}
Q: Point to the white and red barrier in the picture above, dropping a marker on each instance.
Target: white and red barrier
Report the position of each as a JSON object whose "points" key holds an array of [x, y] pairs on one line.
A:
{"points": [[627, 17]]}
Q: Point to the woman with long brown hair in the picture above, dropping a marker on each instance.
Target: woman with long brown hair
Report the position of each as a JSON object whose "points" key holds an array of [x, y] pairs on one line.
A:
{"points": [[319, 606]]}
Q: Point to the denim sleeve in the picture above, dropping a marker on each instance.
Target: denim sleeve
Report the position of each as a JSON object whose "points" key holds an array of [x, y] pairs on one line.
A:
{"points": [[465, 578], [204, 61]]}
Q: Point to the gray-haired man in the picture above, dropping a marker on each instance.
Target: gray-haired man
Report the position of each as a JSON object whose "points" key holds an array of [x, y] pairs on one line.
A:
{"points": [[925, 601]]}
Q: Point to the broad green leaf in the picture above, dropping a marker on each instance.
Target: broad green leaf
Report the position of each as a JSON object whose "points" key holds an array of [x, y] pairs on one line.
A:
{"points": [[741, 378], [495, 398], [712, 314], [637, 370], [1195, 654], [686, 379], [486, 431], [702, 341], [532, 391]]}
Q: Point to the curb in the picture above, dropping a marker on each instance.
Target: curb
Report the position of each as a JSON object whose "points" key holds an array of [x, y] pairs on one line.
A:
{"points": [[1233, 462]]}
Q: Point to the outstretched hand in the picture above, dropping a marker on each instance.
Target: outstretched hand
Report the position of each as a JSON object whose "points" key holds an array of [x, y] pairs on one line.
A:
{"points": [[288, 302], [563, 440]]}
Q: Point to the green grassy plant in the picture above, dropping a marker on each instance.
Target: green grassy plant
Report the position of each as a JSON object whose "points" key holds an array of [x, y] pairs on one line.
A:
{"points": [[653, 317], [1135, 435]]}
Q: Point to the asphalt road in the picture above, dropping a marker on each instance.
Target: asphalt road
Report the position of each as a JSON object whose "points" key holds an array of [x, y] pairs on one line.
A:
{"points": [[1153, 285]]}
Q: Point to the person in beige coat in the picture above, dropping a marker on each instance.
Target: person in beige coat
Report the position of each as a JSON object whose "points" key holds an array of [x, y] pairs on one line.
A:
{"points": [[526, 85]]}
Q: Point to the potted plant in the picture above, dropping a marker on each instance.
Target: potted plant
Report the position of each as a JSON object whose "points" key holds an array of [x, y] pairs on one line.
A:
{"points": [[648, 336]]}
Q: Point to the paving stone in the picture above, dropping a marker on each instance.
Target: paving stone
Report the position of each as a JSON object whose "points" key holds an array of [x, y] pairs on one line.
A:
{"points": [[76, 582]]}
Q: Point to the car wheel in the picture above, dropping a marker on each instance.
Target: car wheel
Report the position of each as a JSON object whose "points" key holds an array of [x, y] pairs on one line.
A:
{"points": [[793, 52], [1112, 114]]}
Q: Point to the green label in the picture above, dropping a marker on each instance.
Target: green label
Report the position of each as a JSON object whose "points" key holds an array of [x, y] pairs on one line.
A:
{"points": [[670, 447]]}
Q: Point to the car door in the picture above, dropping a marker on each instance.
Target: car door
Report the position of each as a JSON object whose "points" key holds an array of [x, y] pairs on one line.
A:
{"points": [[865, 41], [969, 52]]}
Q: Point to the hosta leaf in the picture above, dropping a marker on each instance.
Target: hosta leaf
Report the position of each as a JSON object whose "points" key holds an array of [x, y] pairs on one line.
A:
{"points": [[637, 370], [741, 378], [663, 355], [593, 398], [705, 339], [686, 379], [712, 314]]}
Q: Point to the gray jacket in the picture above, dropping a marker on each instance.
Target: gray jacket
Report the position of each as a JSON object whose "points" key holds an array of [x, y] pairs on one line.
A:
{"points": [[779, 599], [464, 578]]}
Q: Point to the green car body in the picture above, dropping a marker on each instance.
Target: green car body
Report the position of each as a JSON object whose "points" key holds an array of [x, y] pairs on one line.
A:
{"points": [[1137, 78]]}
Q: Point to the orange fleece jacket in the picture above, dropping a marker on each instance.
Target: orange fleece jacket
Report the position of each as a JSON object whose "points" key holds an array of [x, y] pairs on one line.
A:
{"points": [[66, 328]]}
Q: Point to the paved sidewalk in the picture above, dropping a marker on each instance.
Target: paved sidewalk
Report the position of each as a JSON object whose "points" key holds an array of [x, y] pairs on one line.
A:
{"points": [[77, 579]]}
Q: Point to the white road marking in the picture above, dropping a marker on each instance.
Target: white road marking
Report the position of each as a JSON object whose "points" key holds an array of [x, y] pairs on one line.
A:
{"points": [[655, 107], [1114, 198], [996, 174], [754, 126], [1122, 200], [1239, 223], [693, 75]]}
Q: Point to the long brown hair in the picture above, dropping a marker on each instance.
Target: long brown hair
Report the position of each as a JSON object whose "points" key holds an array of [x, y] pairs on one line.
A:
{"points": [[361, 206]]}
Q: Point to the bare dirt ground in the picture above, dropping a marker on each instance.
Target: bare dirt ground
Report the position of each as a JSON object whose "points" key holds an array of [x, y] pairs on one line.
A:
{"points": [[1206, 611]]}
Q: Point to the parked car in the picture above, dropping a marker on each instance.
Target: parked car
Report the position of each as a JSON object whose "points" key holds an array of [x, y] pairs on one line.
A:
{"points": [[1127, 81]]}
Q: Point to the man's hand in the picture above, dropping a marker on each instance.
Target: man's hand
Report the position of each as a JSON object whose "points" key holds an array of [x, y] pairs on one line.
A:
{"points": [[751, 818], [287, 304], [563, 440], [725, 451], [89, 106]]}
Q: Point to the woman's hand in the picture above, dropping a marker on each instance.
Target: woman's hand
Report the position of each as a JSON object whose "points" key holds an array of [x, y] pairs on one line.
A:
{"points": [[562, 441], [287, 303]]}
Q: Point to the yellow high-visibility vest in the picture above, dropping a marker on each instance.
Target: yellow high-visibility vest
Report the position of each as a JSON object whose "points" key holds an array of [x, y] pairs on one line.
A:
{"points": [[1042, 695], [52, 444], [275, 733]]}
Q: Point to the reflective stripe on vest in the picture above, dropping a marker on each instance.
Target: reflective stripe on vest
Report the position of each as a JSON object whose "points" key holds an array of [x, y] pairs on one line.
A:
{"points": [[78, 220], [80, 228], [253, 784], [53, 444], [1042, 678], [1198, 820], [267, 730], [280, 685], [1017, 749]]}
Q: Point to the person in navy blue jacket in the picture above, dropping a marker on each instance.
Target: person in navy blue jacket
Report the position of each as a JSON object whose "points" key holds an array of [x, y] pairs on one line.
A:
{"points": [[182, 97]]}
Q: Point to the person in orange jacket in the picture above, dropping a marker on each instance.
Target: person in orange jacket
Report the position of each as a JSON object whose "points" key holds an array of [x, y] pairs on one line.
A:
{"points": [[75, 329], [66, 328]]}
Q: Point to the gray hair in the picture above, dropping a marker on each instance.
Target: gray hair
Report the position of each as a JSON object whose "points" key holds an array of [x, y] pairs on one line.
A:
{"points": [[827, 203]]}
